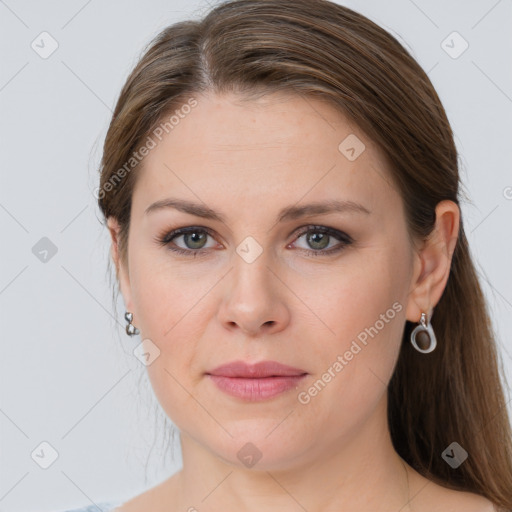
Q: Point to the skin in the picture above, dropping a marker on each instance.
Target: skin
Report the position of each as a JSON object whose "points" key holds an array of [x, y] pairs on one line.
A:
{"points": [[248, 160]]}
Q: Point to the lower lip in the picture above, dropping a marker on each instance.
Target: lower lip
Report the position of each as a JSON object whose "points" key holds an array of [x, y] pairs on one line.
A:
{"points": [[255, 390]]}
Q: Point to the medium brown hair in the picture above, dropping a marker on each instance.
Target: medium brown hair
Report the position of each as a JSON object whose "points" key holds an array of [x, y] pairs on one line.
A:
{"points": [[323, 50]]}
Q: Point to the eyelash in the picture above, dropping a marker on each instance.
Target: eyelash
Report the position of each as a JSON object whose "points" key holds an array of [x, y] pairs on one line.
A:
{"points": [[165, 239]]}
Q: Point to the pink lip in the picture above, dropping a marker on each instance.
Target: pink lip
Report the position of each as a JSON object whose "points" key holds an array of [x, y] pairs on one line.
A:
{"points": [[255, 382], [257, 370]]}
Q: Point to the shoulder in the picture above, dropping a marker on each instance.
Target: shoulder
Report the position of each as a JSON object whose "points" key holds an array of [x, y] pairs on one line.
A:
{"points": [[103, 507], [468, 502], [429, 496], [441, 499]]}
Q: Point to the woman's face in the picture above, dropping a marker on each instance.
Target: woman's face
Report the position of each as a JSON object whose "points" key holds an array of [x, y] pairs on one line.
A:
{"points": [[325, 292]]}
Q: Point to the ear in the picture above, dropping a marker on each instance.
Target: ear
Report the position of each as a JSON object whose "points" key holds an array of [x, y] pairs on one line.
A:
{"points": [[433, 261], [121, 272]]}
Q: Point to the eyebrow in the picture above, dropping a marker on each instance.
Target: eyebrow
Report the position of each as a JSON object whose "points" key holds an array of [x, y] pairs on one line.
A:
{"points": [[288, 213]]}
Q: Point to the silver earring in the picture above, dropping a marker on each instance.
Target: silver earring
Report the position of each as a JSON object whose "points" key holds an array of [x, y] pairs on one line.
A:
{"points": [[130, 328], [423, 338]]}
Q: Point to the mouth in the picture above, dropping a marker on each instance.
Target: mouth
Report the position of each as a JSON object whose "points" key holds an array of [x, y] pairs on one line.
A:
{"points": [[255, 382], [258, 370]]}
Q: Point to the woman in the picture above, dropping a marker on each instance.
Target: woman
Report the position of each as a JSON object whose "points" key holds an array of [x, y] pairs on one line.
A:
{"points": [[281, 186]]}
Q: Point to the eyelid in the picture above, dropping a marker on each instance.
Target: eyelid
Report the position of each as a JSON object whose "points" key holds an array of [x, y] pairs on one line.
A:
{"points": [[344, 239], [335, 233], [167, 236]]}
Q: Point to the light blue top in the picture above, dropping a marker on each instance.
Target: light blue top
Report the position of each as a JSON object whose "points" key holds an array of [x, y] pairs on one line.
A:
{"points": [[105, 506]]}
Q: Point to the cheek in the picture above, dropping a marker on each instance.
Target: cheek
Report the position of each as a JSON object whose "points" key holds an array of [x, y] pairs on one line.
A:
{"points": [[352, 373], [363, 316], [165, 293], [354, 297], [171, 392], [171, 314]]}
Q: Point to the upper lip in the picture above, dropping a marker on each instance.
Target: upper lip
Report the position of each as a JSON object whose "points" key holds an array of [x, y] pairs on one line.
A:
{"points": [[257, 370]]}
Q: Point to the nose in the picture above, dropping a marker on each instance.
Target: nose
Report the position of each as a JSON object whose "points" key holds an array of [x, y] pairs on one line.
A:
{"points": [[254, 299]]}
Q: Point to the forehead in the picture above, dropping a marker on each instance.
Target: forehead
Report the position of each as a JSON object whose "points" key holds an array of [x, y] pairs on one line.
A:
{"points": [[279, 147]]}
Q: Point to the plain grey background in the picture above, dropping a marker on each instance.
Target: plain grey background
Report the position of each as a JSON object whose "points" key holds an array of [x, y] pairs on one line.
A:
{"points": [[67, 373]]}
